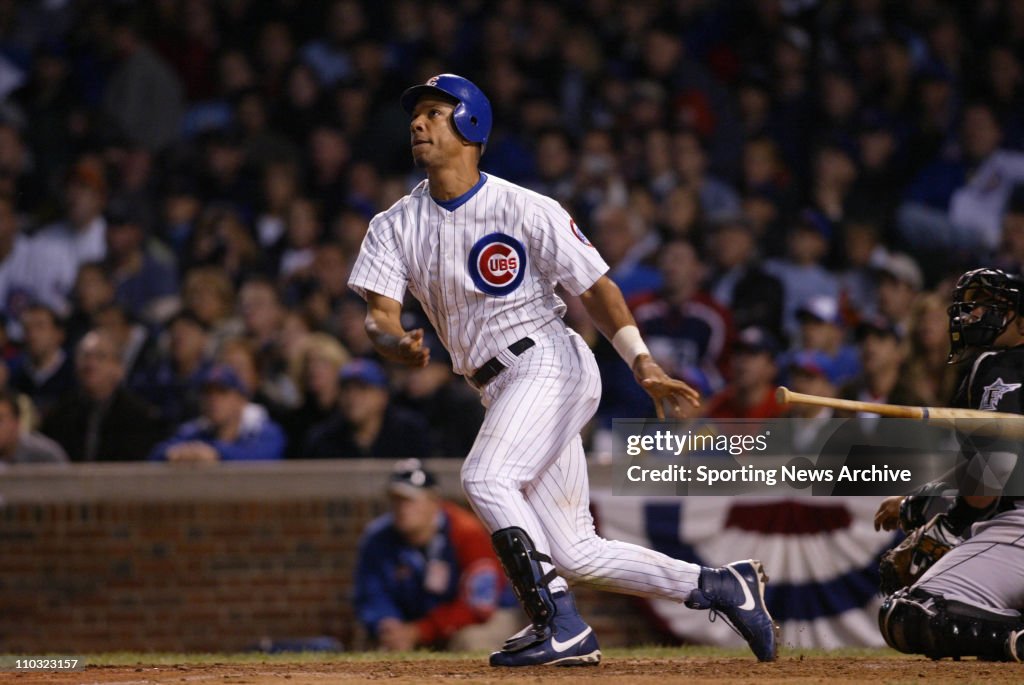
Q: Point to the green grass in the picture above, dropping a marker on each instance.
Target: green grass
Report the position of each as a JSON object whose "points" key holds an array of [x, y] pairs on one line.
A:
{"points": [[199, 659]]}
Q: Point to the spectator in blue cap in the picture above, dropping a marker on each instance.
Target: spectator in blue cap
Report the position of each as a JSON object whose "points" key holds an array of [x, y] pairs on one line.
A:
{"points": [[367, 423], [230, 427], [822, 330]]}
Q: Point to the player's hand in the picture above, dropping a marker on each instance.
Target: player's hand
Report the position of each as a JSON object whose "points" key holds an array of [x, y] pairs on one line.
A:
{"points": [[663, 389], [397, 636], [411, 350], [888, 515]]}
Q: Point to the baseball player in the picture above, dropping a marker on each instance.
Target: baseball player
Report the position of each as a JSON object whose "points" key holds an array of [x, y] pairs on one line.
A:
{"points": [[967, 602], [483, 257]]}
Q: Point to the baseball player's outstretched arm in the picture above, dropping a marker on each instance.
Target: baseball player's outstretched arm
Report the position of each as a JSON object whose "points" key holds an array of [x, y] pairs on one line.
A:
{"points": [[607, 308], [384, 326]]}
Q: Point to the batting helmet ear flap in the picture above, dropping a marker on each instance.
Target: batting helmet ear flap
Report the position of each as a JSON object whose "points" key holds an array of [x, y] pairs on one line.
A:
{"points": [[473, 125]]}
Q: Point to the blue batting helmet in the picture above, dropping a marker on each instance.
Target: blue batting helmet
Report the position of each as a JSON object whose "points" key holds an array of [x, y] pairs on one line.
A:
{"points": [[472, 112]]}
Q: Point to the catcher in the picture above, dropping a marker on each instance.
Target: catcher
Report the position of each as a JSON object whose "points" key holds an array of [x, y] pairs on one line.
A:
{"points": [[955, 586]]}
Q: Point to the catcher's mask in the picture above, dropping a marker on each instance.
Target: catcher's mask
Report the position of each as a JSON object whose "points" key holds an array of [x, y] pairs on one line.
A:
{"points": [[985, 301]]}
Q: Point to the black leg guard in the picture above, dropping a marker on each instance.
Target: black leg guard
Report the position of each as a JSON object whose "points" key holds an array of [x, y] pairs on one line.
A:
{"points": [[521, 562], [918, 622]]}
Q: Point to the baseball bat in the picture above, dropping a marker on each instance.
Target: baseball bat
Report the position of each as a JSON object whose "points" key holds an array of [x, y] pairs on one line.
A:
{"points": [[1007, 425]]}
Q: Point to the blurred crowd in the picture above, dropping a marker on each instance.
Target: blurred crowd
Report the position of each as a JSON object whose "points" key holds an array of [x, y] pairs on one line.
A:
{"points": [[782, 188]]}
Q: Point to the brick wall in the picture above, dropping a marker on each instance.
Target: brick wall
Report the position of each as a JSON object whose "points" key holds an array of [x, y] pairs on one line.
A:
{"points": [[153, 557]]}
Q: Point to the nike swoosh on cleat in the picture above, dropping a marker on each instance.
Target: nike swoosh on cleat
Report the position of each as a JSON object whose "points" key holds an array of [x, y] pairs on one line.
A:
{"points": [[562, 646], [748, 602]]}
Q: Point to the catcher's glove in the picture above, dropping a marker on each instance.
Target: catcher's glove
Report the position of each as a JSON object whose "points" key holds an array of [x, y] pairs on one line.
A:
{"points": [[902, 565]]}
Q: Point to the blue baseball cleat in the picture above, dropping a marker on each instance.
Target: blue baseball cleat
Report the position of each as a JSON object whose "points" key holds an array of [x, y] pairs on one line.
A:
{"points": [[565, 641], [736, 591]]}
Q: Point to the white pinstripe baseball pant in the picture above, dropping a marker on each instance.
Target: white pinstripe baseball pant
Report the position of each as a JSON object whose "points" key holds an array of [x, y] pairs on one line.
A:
{"points": [[527, 469]]}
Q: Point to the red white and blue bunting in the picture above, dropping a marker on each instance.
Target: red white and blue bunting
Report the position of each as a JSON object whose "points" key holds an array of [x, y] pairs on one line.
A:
{"points": [[820, 553]]}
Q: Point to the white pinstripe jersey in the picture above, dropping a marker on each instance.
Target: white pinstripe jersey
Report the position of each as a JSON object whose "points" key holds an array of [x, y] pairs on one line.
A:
{"points": [[484, 271]]}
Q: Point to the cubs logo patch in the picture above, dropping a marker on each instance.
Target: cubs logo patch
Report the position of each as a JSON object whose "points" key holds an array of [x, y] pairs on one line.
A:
{"points": [[579, 234], [993, 393], [497, 264]]}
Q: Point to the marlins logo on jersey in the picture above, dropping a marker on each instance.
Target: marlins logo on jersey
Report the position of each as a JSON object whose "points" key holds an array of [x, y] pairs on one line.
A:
{"points": [[993, 393], [497, 264]]}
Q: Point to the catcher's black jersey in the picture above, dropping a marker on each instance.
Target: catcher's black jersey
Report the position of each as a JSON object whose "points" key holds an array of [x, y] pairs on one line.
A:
{"points": [[995, 383]]}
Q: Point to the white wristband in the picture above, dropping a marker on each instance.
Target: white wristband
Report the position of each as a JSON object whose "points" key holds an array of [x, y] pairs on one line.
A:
{"points": [[628, 343]]}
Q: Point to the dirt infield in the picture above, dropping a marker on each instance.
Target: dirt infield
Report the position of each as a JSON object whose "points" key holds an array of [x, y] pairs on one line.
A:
{"points": [[732, 670]]}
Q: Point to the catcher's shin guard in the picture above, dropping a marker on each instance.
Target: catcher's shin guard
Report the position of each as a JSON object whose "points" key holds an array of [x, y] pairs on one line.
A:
{"points": [[915, 621], [521, 562]]}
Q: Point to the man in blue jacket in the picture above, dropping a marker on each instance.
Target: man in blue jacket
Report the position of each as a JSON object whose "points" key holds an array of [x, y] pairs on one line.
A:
{"points": [[426, 574], [230, 428]]}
